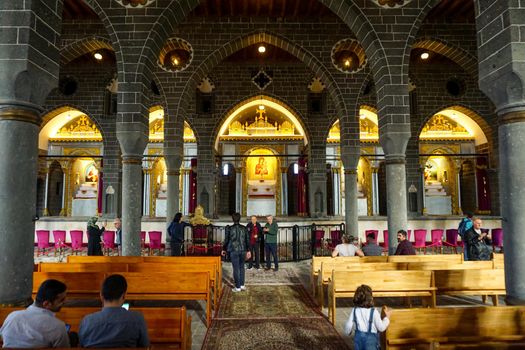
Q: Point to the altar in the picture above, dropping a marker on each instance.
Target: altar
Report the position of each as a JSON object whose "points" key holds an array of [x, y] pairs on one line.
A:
{"points": [[261, 198], [85, 202]]}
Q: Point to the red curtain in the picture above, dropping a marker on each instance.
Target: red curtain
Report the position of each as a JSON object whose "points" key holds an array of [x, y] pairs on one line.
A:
{"points": [[193, 186], [100, 189], [302, 181], [483, 186]]}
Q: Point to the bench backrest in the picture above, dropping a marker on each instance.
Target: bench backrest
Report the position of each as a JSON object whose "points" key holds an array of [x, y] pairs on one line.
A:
{"points": [[443, 323], [348, 281], [318, 260], [77, 282], [83, 267], [463, 280], [498, 260], [327, 267], [440, 265], [104, 259], [456, 258], [167, 283]]}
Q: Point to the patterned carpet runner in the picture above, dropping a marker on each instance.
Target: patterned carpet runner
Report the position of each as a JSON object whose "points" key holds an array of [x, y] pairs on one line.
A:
{"points": [[275, 312]]}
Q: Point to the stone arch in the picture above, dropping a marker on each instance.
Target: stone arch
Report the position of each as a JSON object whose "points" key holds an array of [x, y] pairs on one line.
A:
{"points": [[83, 46], [255, 97], [468, 111], [53, 112], [252, 38], [461, 57]]}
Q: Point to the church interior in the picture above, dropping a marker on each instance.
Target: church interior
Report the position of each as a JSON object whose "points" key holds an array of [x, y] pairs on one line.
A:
{"points": [[333, 116]]}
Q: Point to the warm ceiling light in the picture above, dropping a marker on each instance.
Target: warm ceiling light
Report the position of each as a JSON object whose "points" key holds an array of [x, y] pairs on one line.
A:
{"points": [[98, 56], [362, 116], [425, 55], [261, 107], [347, 63], [261, 49], [174, 61]]}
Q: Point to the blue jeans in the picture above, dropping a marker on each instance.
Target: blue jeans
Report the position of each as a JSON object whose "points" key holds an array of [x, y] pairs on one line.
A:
{"points": [[271, 248], [237, 259], [254, 250], [366, 340]]}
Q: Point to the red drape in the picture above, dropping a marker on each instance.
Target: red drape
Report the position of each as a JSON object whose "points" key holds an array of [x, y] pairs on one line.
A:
{"points": [[302, 181], [193, 186], [483, 186]]}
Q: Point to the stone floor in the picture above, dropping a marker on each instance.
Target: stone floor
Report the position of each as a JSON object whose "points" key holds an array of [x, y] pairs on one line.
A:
{"points": [[302, 270]]}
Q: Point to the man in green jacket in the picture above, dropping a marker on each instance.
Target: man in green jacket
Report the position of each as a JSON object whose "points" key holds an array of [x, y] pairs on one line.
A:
{"points": [[270, 242]]}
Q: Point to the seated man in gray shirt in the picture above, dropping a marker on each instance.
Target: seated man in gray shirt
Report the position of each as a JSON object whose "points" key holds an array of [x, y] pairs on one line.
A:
{"points": [[37, 326], [372, 248], [114, 326]]}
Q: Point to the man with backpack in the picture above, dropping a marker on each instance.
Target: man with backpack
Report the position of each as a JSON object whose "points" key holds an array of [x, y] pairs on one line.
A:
{"points": [[464, 225]]}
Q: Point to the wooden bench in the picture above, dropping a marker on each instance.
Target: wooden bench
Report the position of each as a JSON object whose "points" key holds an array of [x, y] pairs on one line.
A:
{"points": [[343, 284], [325, 274], [447, 328], [450, 258], [498, 260], [83, 267], [471, 282], [318, 260], [439, 265], [167, 326], [141, 286]]}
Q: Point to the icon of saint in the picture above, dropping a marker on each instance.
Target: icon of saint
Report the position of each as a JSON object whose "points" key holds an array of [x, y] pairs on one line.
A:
{"points": [[261, 167]]}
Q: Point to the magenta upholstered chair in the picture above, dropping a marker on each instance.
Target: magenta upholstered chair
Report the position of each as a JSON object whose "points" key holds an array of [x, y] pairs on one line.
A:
{"points": [[59, 237], [436, 236], [155, 241], [420, 239], [108, 241], [385, 240], [77, 240], [451, 235], [42, 240], [335, 238], [497, 239]]}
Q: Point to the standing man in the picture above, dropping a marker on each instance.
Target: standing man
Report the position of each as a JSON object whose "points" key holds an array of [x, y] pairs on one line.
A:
{"points": [[118, 227], [270, 237], [114, 326], [176, 233], [37, 326], [404, 247], [237, 243], [255, 231]]}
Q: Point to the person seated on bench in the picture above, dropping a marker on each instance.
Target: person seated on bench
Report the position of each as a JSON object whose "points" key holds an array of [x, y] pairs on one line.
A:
{"points": [[404, 247], [372, 248], [346, 248], [477, 242], [37, 326], [114, 326], [367, 320]]}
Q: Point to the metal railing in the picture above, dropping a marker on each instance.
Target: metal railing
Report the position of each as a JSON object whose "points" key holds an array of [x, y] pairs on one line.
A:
{"points": [[294, 242]]}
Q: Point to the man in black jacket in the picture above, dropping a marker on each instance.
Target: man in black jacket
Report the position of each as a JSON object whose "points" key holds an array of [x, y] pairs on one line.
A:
{"points": [[255, 233], [237, 243]]}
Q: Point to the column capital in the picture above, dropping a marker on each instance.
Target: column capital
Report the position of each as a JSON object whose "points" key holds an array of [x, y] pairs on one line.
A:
{"points": [[350, 171], [395, 159], [132, 159]]}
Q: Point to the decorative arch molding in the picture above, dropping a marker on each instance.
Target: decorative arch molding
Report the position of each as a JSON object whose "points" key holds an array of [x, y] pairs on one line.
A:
{"points": [[463, 58], [82, 47], [235, 45], [49, 115], [470, 113], [251, 101]]}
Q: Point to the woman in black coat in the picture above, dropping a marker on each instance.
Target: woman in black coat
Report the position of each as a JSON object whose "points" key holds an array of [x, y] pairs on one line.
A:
{"points": [[94, 233]]}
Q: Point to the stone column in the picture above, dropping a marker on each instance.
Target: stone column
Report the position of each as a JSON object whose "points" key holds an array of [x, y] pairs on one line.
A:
{"points": [[375, 191], [350, 159], [284, 191], [19, 127], [396, 198], [133, 139], [146, 210], [65, 185], [239, 188], [185, 191], [173, 164], [336, 189], [457, 166], [46, 193]]}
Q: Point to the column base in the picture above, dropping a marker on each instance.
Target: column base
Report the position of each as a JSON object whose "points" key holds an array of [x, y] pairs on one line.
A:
{"points": [[22, 303], [510, 300], [63, 212], [46, 212]]}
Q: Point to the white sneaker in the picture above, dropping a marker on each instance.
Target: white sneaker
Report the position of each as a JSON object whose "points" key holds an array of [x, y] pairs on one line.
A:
{"points": [[249, 268], [243, 287], [236, 290]]}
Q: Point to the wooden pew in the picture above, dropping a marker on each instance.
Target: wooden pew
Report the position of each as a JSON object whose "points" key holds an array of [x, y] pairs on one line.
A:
{"points": [[141, 286], [450, 258], [451, 327], [83, 267], [498, 260], [318, 260], [439, 265], [167, 326], [343, 284], [325, 274], [104, 259], [471, 282]]}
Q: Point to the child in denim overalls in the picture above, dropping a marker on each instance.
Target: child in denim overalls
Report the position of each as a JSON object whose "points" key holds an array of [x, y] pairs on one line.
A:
{"points": [[367, 320]]}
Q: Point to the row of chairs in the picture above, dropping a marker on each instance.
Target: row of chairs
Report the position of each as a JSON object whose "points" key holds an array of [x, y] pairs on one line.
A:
{"points": [[439, 239], [77, 241]]}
